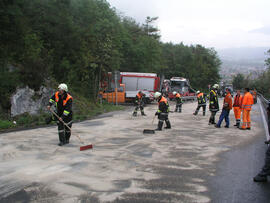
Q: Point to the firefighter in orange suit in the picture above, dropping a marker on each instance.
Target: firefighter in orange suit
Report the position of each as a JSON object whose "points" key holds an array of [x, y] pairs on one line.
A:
{"points": [[237, 103], [139, 102], [246, 108], [163, 111]]}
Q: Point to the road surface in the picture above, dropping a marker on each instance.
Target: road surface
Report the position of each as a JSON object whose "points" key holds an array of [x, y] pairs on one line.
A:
{"points": [[192, 162]]}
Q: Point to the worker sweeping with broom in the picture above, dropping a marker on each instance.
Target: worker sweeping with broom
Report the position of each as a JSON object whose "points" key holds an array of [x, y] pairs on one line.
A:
{"points": [[163, 111], [63, 102]]}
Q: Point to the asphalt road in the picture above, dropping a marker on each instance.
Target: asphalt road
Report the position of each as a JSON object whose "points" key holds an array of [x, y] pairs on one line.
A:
{"points": [[192, 162]]}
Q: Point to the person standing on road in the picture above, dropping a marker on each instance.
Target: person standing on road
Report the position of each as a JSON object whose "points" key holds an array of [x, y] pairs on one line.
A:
{"points": [[162, 112], [227, 106], [139, 102], [201, 102], [179, 102], [246, 108], [213, 104], [237, 103], [63, 102]]}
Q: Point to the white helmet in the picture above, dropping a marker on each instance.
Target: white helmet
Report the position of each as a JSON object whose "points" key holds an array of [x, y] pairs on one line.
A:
{"points": [[174, 93], [216, 86], [198, 92], [63, 86], [157, 95]]}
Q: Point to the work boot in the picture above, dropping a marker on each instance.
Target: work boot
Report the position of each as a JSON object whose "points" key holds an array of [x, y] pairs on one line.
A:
{"points": [[260, 178], [168, 124], [143, 114], [60, 144], [160, 124]]}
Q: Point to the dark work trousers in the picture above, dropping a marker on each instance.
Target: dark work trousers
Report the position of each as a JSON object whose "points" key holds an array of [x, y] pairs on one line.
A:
{"points": [[212, 117], [63, 131], [163, 117], [266, 168], [138, 106], [198, 108], [224, 114], [178, 107]]}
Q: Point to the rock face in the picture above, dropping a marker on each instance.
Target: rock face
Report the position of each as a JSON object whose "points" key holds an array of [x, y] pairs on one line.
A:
{"points": [[26, 100]]}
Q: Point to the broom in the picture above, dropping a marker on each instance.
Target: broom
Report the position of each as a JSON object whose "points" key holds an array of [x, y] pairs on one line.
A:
{"points": [[148, 131], [82, 148]]}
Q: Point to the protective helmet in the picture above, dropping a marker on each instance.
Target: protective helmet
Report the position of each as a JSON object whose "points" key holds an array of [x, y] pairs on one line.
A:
{"points": [[174, 93], [157, 95], [198, 92], [216, 86], [63, 86]]}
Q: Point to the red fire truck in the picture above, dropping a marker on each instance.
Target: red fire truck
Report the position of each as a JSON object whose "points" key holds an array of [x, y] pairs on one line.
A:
{"points": [[148, 83], [181, 85]]}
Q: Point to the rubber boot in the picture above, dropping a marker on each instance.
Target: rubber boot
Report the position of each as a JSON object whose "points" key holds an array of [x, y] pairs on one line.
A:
{"points": [[61, 138], [142, 112], [168, 124], [160, 124], [67, 134]]}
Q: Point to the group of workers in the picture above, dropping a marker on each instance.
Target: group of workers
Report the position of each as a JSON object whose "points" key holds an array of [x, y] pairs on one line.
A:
{"points": [[242, 105]]}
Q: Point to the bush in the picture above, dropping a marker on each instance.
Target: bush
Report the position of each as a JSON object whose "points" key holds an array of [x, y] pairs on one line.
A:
{"points": [[4, 124]]}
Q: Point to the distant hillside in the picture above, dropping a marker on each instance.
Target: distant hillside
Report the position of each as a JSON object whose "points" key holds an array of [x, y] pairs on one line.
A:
{"points": [[244, 54], [245, 60]]}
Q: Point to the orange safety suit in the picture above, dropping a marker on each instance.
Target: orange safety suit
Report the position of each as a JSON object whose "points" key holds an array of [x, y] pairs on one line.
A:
{"points": [[246, 108], [237, 103]]}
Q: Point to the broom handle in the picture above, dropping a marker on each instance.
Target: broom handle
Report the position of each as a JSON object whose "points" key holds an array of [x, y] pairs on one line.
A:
{"points": [[66, 125]]}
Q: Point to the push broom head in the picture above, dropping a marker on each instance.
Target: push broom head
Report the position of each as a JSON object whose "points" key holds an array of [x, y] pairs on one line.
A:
{"points": [[82, 148], [148, 131]]}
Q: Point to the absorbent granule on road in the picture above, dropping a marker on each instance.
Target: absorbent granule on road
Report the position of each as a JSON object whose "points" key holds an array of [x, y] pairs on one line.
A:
{"points": [[125, 164]]}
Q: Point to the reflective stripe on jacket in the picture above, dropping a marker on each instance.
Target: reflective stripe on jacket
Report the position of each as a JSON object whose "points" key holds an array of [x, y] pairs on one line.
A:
{"points": [[247, 101], [163, 105]]}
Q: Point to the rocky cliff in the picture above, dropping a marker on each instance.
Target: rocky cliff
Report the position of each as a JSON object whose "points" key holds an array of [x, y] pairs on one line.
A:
{"points": [[26, 100]]}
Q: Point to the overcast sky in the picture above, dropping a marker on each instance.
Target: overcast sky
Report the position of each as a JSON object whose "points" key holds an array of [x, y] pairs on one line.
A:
{"points": [[211, 23]]}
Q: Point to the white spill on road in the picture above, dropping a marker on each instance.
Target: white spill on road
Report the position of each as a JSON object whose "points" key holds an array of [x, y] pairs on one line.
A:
{"points": [[125, 164]]}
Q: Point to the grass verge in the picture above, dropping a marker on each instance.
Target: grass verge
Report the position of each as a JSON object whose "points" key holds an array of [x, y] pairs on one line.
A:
{"points": [[83, 110]]}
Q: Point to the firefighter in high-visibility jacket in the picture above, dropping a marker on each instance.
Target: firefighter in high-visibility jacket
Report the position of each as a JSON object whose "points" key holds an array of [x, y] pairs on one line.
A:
{"points": [[201, 102], [63, 102], [139, 102], [237, 103], [213, 104], [163, 111], [179, 102], [247, 103]]}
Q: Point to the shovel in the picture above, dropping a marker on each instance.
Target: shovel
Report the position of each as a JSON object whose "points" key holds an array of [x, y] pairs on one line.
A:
{"points": [[82, 148], [148, 131]]}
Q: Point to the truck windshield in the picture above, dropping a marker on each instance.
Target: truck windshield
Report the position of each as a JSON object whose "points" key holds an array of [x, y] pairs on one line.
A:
{"points": [[178, 86]]}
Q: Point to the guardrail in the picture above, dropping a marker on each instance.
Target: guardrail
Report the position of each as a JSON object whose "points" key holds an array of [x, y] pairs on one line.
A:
{"points": [[265, 103]]}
